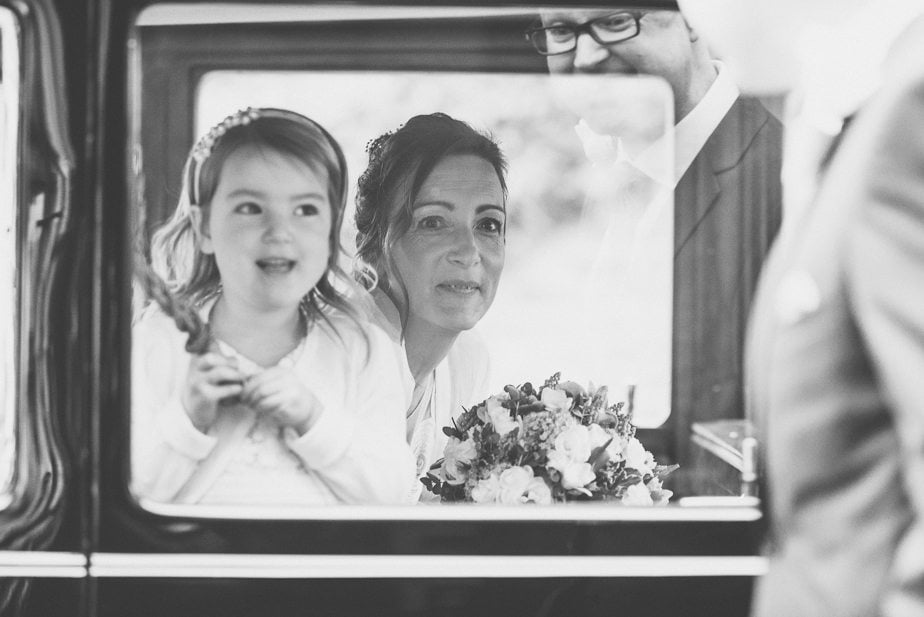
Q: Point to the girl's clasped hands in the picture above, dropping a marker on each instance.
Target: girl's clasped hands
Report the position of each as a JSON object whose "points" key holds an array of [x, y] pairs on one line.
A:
{"points": [[215, 380]]}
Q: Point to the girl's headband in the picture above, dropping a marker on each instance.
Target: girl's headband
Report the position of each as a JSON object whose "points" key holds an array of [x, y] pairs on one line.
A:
{"points": [[203, 148]]}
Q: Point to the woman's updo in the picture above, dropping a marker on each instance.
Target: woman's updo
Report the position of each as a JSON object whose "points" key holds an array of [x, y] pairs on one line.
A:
{"points": [[399, 163]]}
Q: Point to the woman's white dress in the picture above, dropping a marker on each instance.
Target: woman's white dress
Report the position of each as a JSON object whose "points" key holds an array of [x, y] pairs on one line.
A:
{"points": [[460, 381]]}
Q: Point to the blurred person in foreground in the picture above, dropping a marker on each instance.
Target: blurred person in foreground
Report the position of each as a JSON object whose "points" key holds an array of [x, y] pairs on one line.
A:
{"points": [[836, 345], [725, 179]]}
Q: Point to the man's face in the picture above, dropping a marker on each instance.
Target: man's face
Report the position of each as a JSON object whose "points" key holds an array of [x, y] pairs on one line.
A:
{"points": [[663, 47]]}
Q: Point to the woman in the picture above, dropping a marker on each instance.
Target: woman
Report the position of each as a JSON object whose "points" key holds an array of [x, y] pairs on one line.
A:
{"points": [[431, 219]]}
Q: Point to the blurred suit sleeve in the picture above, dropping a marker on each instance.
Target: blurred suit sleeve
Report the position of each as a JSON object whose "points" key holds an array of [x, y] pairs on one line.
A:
{"points": [[885, 281], [836, 369]]}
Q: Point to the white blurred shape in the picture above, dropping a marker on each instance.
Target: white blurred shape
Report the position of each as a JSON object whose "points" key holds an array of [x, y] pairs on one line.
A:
{"points": [[774, 46]]}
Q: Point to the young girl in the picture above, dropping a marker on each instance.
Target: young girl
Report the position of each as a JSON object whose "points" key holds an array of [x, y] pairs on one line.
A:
{"points": [[288, 399]]}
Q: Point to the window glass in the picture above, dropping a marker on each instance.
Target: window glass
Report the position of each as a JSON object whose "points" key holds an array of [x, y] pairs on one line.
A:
{"points": [[553, 312], [595, 243], [9, 132]]}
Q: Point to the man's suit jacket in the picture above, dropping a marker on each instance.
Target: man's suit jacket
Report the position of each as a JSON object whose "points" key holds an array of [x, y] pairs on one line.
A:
{"points": [[727, 211], [836, 369]]}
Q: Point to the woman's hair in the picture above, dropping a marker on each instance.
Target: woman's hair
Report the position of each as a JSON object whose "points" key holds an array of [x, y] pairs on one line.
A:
{"points": [[399, 163], [192, 276]]}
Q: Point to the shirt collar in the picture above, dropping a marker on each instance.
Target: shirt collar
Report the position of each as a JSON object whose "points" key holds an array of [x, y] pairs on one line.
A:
{"points": [[692, 132], [681, 145]]}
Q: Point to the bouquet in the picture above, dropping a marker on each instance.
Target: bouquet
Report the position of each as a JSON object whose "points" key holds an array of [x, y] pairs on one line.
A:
{"points": [[555, 444]]}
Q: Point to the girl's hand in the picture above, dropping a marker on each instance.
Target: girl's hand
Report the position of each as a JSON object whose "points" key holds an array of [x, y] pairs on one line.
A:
{"points": [[212, 377], [279, 393]]}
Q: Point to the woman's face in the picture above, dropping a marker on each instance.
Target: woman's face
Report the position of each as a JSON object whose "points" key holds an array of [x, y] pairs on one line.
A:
{"points": [[452, 255]]}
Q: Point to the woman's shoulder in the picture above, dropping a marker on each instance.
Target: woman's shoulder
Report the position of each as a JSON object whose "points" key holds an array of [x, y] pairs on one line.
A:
{"points": [[351, 330], [366, 347], [377, 309]]}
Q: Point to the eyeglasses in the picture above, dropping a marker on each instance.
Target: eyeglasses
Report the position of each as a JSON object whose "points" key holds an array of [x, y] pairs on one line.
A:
{"points": [[606, 30]]}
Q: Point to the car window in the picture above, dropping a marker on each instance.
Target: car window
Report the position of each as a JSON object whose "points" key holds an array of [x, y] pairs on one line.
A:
{"points": [[587, 290], [551, 313]]}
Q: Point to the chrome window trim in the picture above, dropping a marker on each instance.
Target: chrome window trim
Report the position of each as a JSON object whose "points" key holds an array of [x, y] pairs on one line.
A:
{"points": [[737, 509], [45, 564], [123, 565], [174, 14]]}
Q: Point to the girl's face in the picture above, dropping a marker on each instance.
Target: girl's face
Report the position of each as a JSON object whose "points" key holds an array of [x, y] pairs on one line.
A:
{"points": [[268, 226], [451, 257]]}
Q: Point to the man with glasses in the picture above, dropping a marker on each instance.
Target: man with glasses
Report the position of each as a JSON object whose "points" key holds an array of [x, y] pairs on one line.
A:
{"points": [[726, 182]]}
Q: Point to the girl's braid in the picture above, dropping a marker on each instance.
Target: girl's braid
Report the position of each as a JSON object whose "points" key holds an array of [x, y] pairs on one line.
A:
{"points": [[184, 316]]}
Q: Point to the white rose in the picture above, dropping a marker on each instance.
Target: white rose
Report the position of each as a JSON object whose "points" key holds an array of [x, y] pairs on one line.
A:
{"points": [[558, 460], [499, 417], [637, 495], [516, 477], [637, 457], [461, 451], [457, 458], [513, 484], [538, 492], [575, 442], [555, 400], [492, 402], [486, 490], [576, 476]]}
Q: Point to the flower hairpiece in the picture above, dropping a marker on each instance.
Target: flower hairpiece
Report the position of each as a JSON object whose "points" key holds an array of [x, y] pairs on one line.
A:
{"points": [[375, 144], [203, 148]]}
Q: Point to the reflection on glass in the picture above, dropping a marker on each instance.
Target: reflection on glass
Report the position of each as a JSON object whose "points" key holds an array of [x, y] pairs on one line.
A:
{"points": [[586, 288], [9, 115], [587, 285], [598, 256]]}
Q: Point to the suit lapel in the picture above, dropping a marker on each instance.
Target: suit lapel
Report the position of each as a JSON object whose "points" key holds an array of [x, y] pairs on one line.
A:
{"points": [[697, 193], [695, 196]]}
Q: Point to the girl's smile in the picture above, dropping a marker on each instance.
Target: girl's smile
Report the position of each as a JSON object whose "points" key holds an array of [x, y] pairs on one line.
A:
{"points": [[276, 265]]}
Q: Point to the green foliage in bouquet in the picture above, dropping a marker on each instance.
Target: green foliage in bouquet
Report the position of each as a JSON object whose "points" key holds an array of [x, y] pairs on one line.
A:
{"points": [[555, 444]]}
